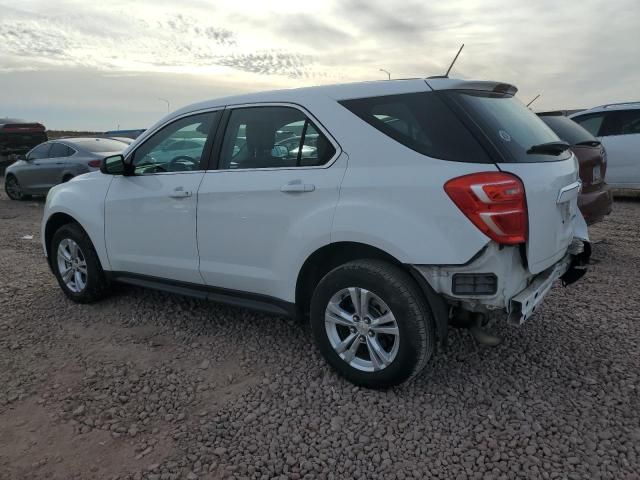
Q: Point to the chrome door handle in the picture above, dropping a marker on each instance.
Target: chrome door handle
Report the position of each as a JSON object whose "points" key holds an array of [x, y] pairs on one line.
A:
{"points": [[297, 187], [180, 192]]}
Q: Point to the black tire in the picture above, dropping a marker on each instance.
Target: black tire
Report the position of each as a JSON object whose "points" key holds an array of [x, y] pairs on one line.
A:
{"points": [[96, 286], [14, 193], [414, 319], [67, 178]]}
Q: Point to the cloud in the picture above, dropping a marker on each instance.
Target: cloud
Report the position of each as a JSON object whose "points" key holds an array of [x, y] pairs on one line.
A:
{"points": [[136, 43], [310, 31], [574, 56], [267, 63]]}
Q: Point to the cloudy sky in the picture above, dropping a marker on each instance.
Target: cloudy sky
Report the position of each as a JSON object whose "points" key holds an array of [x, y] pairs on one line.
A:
{"points": [[99, 65]]}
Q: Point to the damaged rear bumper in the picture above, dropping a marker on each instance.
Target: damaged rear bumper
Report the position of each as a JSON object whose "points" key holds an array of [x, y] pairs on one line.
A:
{"points": [[518, 292], [570, 269]]}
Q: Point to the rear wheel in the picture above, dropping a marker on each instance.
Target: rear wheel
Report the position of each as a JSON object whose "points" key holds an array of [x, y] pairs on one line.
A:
{"points": [[67, 178], [13, 189], [76, 265], [372, 323]]}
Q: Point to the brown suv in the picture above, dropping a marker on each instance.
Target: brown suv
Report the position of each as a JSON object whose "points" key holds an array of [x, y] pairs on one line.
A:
{"points": [[595, 201]]}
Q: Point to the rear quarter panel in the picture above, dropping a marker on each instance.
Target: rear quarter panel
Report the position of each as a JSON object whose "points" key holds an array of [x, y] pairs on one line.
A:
{"points": [[393, 198]]}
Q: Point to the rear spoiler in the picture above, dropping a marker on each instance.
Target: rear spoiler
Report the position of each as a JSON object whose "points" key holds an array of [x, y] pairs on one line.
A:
{"points": [[441, 83]]}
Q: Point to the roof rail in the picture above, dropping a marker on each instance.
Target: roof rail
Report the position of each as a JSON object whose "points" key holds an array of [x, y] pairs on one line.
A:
{"points": [[620, 103]]}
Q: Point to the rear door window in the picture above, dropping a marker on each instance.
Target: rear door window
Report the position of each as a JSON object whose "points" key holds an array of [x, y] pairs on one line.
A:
{"points": [[273, 137], [621, 122], [421, 122], [40, 152], [59, 150]]}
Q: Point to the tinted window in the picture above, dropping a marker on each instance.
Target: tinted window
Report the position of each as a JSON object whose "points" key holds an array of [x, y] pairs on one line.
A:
{"points": [[590, 123], [273, 137], [508, 124], [621, 122], [164, 151], [59, 150], [100, 145], [41, 151], [567, 129], [422, 122]]}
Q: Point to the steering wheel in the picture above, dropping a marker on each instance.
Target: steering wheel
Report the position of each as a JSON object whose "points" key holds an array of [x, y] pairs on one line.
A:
{"points": [[181, 160]]}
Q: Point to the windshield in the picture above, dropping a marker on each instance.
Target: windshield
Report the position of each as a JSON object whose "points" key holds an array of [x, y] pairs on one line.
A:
{"points": [[567, 129], [508, 123], [100, 145]]}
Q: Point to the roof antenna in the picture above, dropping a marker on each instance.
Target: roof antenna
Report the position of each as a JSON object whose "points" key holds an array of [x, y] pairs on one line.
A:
{"points": [[446, 75], [534, 99]]}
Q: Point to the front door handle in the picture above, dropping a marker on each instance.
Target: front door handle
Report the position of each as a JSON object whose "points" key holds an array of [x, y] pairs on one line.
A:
{"points": [[297, 187], [180, 192]]}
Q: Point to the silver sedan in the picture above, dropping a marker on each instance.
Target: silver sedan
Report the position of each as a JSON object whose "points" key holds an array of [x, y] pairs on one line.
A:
{"points": [[55, 162]]}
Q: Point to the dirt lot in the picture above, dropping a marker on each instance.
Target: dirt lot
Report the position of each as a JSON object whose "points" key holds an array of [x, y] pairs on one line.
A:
{"points": [[149, 385]]}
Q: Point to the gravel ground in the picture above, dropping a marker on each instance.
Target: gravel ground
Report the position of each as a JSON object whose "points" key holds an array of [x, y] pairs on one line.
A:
{"points": [[154, 386]]}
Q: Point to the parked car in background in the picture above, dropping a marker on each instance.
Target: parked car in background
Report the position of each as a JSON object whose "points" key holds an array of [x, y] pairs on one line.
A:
{"points": [[126, 140], [55, 162], [595, 200], [617, 126], [464, 204], [133, 134], [17, 137]]}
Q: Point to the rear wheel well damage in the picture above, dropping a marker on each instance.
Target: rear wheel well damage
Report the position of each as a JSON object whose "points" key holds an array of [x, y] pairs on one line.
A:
{"points": [[325, 259]]}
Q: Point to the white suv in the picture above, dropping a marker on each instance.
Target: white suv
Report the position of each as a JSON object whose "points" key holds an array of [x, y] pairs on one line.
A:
{"points": [[617, 126], [379, 210]]}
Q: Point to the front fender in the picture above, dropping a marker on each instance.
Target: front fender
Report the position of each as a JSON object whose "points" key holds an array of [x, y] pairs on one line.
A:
{"points": [[83, 200]]}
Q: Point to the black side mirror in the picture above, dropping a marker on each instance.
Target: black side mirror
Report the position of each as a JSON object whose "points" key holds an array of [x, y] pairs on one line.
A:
{"points": [[113, 165]]}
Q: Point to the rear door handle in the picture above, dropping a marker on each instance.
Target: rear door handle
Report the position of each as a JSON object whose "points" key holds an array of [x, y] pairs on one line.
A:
{"points": [[180, 192], [297, 187]]}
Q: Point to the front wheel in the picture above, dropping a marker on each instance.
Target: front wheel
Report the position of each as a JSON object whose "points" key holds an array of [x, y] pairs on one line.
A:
{"points": [[372, 323], [13, 189], [76, 265]]}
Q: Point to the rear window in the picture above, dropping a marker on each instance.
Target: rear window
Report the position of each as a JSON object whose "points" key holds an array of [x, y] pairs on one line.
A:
{"points": [[422, 122], [100, 145], [509, 125], [567, 129]]}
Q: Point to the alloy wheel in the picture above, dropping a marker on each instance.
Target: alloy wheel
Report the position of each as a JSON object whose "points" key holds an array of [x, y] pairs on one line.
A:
{"points": [[13, 188], [362, 329], [72, 265]]}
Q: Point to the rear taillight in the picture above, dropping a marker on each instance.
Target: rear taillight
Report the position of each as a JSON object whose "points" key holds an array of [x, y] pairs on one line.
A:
{"points": [[95, 163], [495, 203]]}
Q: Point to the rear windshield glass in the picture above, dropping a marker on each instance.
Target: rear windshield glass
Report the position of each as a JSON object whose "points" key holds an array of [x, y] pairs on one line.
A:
{"points": [[422, 122], [99, 145], [567, 129], [508, 124]]}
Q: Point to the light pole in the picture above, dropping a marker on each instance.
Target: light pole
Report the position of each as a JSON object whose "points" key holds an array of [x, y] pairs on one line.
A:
{"points": [[167, 102], [387, 72]]}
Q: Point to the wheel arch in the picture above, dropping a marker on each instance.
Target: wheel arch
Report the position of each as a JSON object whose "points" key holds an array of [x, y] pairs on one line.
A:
{"points": [[54, 222], [330, 256]]}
